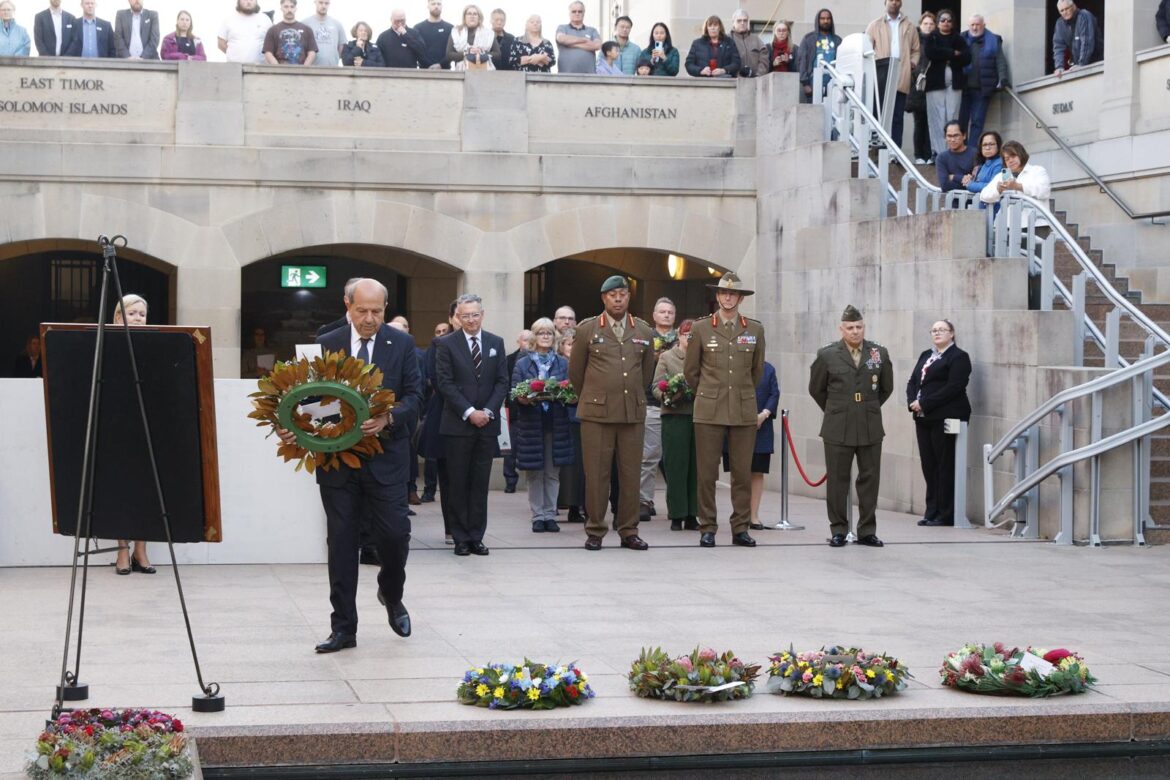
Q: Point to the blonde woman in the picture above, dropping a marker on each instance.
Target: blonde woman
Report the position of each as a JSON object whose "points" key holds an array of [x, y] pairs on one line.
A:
{"points": [[132, 311], [472, 44]]}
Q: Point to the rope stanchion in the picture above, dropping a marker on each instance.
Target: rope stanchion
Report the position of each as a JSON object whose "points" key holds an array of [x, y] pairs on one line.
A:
{"points": [[799, 467]]}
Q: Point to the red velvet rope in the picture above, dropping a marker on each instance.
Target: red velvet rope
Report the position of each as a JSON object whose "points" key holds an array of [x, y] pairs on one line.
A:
{"points": [[800, 468]]}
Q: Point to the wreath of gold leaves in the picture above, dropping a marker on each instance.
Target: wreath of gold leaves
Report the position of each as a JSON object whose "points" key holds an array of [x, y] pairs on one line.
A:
{"points": [[333, 367]]}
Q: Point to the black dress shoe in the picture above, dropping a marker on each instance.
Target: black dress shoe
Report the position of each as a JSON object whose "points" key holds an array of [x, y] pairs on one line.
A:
{"points": [[593, 543], [369, 556], [676, 525], [552, 527], [707, 540], [537, 526], [399, 618], [479, 548], [337, 642], [410, 512], [871, 540], [938, 522], [138, 567], [743, 539], [691, 524], [926, 521], [634, 542], [755, 526], [510, 488], [427, 498], [463, 548], [838, 540], [575, 515]]}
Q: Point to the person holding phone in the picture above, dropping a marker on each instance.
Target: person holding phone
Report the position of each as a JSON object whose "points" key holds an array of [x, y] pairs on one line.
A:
{"points": [[661, 53]]}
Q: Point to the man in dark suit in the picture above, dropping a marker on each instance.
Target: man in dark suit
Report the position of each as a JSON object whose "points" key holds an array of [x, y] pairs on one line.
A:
{"points": [[51, 29], [378, 488], [850, 380], [937, 390], [91, 36], [136, 33], [471, 375]]}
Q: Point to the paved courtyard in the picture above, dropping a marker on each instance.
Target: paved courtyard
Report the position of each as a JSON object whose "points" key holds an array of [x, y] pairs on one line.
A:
{"points": [[543, 596]]}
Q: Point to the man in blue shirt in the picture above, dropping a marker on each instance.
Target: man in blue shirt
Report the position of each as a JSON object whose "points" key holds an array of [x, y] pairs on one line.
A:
{"points": [[92, 37], [956, 161]]}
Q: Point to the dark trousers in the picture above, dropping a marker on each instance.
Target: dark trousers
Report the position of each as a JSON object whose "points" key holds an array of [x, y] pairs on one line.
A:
{"points": [[412, 482], [444, 493], [678, 455], [937, 452], [883, 67], [430, 477], [469, 459], [922, 150], [573, 476], [385, 508], [838, 465], [511, 476], [972, 113]]}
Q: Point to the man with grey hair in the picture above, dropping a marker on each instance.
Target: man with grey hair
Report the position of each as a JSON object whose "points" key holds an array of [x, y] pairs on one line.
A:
{"points": [[665, 337], [753, 53], [376, 489], [471, 376], [577, 43], [1076, 38], [346, 297]]}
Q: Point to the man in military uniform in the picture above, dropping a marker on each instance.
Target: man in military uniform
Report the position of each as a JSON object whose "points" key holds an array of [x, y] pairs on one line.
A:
{"points": [[611, 366], [850, 380], [724, 363]]}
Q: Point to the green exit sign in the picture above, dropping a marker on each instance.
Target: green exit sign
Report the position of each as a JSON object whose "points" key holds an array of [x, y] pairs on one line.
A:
{"points": [[302, 276]]}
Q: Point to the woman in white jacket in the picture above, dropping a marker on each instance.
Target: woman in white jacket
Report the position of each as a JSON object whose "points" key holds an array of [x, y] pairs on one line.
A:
{"points": [[1031, 180], [472, 44]]}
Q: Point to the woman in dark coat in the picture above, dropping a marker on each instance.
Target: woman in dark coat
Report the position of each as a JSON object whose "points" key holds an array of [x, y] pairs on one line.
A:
{"points": [[362, 52], [541, 439], [949, 55], [767, 404], [937, 390], [714, 54]]}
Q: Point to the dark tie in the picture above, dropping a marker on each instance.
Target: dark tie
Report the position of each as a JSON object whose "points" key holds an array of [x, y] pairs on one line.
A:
{"points": [[476, 355], [364, 351]]}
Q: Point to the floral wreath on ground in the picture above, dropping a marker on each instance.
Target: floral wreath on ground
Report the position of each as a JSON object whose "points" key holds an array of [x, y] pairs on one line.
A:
{"points": [[112, 743], [1036, 672], [704, 675], [675, 390], [544, 390], [323, 443], [528, 685], [836, 672]]}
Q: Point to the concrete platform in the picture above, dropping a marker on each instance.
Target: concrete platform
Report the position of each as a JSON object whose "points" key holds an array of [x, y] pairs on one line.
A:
{"points": [[541, 595]]}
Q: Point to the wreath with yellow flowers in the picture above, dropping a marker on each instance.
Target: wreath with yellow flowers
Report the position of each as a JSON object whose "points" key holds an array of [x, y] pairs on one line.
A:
{"points": [[323, 443]]}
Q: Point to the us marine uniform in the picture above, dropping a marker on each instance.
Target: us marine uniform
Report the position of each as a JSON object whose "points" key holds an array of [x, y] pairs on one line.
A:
{"points": [[850, 384], [724, 363], [611, 366]]}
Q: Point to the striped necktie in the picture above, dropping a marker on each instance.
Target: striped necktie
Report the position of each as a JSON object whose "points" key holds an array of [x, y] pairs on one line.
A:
{"points": [[476, 355]]}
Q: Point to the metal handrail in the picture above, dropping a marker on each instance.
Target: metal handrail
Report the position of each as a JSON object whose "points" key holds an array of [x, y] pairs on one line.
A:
{"points": [[1071, 394], [1101, 183], [1064, 460]]}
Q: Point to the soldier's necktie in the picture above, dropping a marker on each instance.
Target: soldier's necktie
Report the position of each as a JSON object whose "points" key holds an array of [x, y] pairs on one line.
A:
{"points": [[364, 351], [476, 355], [619, 329]]}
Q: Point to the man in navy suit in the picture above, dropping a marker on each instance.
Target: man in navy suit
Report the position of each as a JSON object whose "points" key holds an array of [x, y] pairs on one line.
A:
{"points": [[471, 376], [91, 36], [378, 488], [51, 29]]}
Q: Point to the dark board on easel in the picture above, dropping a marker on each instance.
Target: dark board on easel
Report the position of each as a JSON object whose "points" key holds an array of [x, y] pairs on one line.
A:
{"points": [[174, 365]]}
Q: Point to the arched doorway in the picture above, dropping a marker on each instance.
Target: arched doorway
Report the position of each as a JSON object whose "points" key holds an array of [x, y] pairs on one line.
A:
{"points": [[285, 298], [59, 280], [575, 280]]}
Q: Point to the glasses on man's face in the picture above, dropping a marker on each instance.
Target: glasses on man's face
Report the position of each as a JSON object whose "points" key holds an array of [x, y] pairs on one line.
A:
{"points": [[940, 330], [471, 315]]}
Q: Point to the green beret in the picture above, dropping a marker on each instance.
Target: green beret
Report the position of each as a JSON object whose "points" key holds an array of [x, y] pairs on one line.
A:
{"points": [[614, 282], [851, 314]]}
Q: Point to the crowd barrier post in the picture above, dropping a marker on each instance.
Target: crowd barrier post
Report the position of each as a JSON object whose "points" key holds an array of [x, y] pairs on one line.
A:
{"points": [[785, 524]]}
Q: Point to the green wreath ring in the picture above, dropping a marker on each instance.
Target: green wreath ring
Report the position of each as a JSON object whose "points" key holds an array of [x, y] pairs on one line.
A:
{"points": [[310, 440]]}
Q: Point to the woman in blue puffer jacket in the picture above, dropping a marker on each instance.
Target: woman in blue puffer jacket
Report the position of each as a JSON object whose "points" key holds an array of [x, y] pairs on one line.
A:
{"points": [[990, 164], [541, 439]]}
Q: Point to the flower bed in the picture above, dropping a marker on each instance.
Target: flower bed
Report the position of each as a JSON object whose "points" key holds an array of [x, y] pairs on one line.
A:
{"points": [[836, 673], [996, 670], [704, 675], [97, 743], [528, 685]]}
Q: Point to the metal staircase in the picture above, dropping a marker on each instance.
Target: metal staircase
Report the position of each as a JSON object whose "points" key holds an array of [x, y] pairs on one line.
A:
{"points": [[1112, 332]]}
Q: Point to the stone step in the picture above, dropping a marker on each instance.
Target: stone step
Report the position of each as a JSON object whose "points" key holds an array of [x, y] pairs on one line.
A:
{"points": [[1157, 536]]}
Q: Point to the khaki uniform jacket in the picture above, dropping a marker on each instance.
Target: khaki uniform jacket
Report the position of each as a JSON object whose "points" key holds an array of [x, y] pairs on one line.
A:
{"points": [[851, 397], [910, 47], [611, 376], [671, 362], [724, 365]]}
